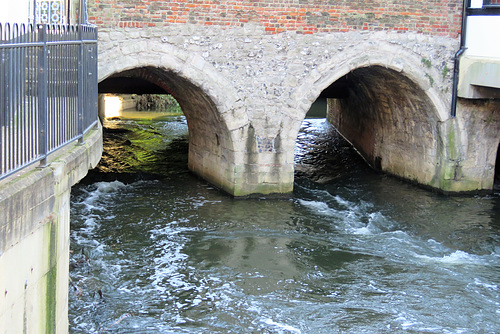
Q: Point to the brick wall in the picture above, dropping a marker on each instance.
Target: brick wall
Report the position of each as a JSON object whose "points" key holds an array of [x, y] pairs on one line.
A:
{"points": [[435, 17]]}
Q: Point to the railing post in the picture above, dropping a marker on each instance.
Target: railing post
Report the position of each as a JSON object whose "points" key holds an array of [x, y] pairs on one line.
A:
{"points": [[4, 156], [42, 95], [81, 78], [94, 96]]}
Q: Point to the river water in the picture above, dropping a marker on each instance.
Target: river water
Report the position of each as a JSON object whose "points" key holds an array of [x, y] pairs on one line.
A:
{"points": [[157, 250]]}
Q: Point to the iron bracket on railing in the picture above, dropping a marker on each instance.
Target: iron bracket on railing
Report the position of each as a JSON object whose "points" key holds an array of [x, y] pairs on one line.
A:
{"points": [[81, 78]]}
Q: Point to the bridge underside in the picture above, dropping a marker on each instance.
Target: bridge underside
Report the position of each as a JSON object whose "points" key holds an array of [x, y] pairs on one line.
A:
{"points": [[122, 84], [209, 143], [395, 126], [385, 116]]}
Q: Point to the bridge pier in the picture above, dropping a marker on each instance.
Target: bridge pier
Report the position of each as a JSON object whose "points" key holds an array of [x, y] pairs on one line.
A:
{"points": [[267, 166], [472, 142], [242, 162]]}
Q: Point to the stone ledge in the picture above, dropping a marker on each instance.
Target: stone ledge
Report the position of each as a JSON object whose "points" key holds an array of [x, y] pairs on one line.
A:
{"points": [[24, 194], [479, 78]]}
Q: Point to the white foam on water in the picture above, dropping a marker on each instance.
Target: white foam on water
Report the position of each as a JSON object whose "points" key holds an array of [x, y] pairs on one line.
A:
{"points": [[407, 325], [342, 201], [456, 258], [98, 249], [90, 225], [436, 246], [171, 260], [478, 282], [201, 201], [369, 229], [377, 224], [405, 322], [281, 327], [373, 287], [103, 188], [361, 231], [380, 221], [93, 197], [322, 208], [317, 206], [352, 218], [107, 187]]}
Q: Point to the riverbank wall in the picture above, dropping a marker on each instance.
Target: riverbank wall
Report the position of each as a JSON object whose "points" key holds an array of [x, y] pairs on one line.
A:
{"points": [[34, 239]]}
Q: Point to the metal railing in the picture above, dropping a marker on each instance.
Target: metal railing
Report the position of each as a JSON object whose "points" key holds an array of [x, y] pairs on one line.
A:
{"points": [[48, 90]]}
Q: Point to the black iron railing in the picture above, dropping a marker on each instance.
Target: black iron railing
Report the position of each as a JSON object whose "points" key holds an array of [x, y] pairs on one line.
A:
{"points": [[48, 90]]}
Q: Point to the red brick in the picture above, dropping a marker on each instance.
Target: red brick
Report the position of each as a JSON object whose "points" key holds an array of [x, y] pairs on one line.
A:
{"points": [[428, 16]]}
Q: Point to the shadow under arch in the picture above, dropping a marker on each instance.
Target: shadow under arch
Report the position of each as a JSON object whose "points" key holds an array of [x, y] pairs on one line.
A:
{"points": [[210, 142], [406, 65], [387, 109], [385, 115], [496, 184]]}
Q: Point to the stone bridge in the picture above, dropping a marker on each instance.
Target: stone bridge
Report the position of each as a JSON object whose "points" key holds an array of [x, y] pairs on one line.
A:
{"points": [[246, 72]]}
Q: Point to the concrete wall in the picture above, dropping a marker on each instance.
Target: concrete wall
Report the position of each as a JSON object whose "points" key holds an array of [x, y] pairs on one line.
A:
{"points": [[34, 239], [479, 30]]}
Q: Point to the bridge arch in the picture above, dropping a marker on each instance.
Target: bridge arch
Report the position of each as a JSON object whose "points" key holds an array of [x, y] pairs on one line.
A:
{"points": [[386, 103], [208, 102]]}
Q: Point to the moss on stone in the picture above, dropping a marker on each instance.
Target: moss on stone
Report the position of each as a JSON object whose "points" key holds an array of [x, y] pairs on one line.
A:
{"points": [[452, 144], [431, 79], [51, 279], [426, 62], [269, 190]]}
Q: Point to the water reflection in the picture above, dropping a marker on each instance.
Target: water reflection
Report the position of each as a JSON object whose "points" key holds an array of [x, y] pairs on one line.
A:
{"points": [[322, 155]]}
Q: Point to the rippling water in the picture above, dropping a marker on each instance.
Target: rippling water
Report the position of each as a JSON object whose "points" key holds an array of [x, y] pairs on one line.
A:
{"points": [[156, 250]]}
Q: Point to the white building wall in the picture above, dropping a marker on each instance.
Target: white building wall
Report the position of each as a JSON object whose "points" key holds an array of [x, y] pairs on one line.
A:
{"points": [[17, 11], [483, 36], [47, 11]]}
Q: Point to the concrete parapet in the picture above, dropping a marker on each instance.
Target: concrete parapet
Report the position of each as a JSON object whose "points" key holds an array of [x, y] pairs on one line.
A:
{"points": [[479, 78], [34, 239]]}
